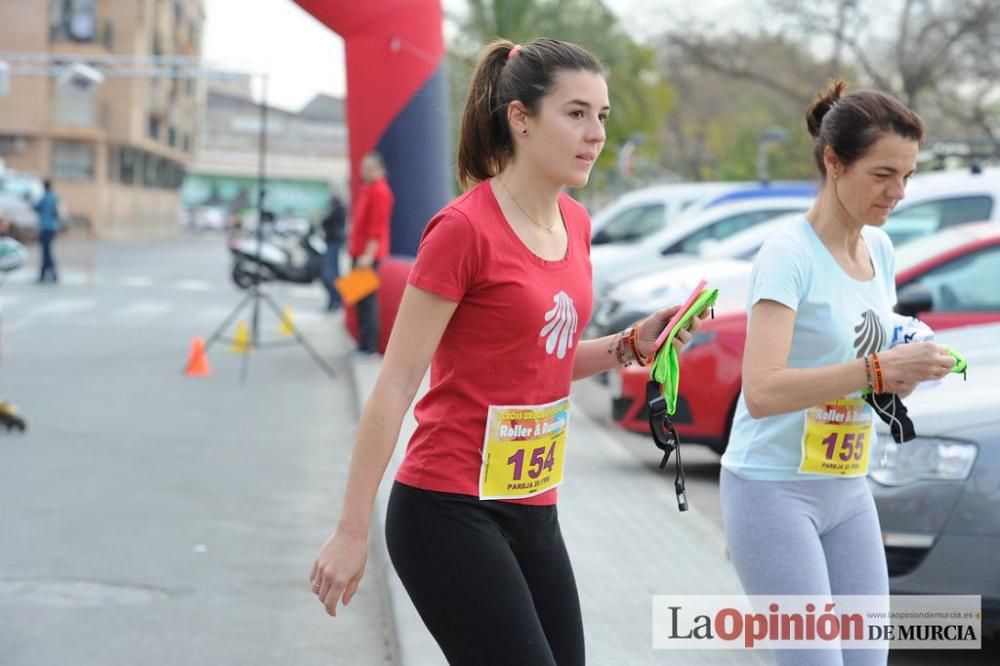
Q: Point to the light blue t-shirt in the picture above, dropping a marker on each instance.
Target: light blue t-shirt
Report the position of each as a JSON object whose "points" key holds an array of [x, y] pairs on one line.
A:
{"points": [[837, 319]]}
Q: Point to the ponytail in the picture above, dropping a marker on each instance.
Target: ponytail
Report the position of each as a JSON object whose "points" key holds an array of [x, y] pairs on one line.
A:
{"points": [[485, 144], [508, 72]]}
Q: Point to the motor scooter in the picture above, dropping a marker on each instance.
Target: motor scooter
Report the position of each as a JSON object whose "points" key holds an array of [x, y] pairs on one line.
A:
{"points": [[265, 260]]}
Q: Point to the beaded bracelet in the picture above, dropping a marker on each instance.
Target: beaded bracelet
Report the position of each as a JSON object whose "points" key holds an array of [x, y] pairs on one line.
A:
{"points": [[625, 348], [618, 348]]}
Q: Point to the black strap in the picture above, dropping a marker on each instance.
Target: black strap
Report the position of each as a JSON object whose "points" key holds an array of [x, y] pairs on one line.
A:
{"points": [[891, 410], [666, 439]]}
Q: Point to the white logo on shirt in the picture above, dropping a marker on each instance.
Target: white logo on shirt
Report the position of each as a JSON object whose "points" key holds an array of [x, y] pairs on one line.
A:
{"points": [[561, 326]]}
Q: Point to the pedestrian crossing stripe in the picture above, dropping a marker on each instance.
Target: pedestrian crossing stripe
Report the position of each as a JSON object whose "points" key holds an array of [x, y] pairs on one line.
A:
{"points": [[143, 310]]}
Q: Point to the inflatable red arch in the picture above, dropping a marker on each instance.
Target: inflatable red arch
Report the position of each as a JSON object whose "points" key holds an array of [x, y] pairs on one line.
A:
{"points": [[397, 104], [397, 101]]}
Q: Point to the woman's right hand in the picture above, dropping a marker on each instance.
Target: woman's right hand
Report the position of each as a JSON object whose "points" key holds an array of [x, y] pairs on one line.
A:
{"points": [[339, 567], [905, 366]]}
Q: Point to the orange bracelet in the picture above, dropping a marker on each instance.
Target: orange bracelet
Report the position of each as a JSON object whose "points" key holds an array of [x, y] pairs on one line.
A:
{"points": [[634, 341], [878, 386]]}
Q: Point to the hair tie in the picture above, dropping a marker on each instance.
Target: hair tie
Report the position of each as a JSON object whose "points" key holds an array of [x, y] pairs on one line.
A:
{"points": [[514, 51]]}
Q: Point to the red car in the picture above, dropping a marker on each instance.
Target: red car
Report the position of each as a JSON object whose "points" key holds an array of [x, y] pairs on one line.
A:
{"points": [[949, 279]]}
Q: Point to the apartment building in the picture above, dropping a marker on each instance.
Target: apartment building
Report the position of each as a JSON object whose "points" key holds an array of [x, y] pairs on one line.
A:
{"points": [[116, 150]]}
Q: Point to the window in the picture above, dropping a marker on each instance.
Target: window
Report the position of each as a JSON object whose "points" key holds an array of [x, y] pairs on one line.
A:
{"points": [[966, 284], [632, 224], [73, 21], [126, 165], [722, 229], [919, 220], [72, 160], [114, 165], [171, 137], [154, 128], [148, 169], [108, 36]]}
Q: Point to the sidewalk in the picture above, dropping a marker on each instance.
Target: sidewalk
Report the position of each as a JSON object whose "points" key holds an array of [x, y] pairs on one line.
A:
{"points": [[625, 536]]}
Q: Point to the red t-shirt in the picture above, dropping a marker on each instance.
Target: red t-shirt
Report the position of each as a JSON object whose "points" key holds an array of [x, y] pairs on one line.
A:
{"points": [[499, 348], [370, 219]]}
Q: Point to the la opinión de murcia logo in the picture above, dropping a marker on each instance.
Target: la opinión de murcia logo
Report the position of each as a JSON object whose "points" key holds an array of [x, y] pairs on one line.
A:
{"points": [[796, 622]]}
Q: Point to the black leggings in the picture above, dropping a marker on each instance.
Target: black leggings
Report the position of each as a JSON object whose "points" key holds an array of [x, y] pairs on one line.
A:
{"points": [[491, 580]]}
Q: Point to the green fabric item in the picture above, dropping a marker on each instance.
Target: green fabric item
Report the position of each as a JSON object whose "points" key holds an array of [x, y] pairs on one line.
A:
{"points": [[665, 369], [961, 365]]}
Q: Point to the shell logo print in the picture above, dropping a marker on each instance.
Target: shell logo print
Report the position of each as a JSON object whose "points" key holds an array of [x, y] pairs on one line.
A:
{"points": [[870, 334], [561, 327]]}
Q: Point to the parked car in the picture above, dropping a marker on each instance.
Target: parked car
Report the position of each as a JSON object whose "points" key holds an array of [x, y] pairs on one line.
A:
{"points": [[650, 287], [615, 263], [939, 200], [638, 297], [17, 217], [207, 218], [637, 214], [937, 495], [644, 212], [745, 244], [948, 280], [18, 191], [25, 185]]}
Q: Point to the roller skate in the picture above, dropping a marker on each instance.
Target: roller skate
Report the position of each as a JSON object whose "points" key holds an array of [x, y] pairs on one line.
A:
{"points": [[10, 418]]}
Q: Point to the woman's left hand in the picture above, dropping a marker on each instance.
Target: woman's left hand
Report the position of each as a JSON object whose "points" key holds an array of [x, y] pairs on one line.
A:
{"points": [[651, 327]]}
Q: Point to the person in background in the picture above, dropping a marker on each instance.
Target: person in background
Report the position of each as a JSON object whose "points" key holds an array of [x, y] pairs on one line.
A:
{"points": [[48, 224], [369, 241], [334, 224]]}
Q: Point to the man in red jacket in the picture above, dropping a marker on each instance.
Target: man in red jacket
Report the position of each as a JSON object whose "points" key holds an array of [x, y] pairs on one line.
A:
{"points": [[369, 242]]}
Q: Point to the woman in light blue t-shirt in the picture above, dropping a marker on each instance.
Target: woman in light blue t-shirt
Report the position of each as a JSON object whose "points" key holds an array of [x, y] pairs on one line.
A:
{"points": [[799, 516]]}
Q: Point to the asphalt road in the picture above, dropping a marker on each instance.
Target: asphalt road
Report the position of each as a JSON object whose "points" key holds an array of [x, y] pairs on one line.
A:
{"points": [[151, 518]]}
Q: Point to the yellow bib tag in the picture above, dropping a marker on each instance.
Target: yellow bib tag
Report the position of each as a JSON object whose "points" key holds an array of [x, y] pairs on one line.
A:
{"points": [[523, 450], [837, 438]]}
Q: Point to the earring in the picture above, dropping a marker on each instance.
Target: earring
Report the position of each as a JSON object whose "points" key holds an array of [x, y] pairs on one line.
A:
{"points": [[524, 131]]}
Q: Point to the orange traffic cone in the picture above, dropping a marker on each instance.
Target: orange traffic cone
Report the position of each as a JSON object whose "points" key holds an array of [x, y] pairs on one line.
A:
{"points": [[197, 365]]}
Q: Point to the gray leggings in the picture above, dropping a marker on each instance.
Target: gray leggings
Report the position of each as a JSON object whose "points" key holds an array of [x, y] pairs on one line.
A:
{"points": [[816, 537]]}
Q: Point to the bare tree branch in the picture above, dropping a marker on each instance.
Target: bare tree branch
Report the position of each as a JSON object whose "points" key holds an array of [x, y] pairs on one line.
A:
{"points": [[731, 64]]}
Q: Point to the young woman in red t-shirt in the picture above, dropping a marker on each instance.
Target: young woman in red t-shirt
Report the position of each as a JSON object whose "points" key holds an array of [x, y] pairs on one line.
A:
{"points": [[496, 302]]}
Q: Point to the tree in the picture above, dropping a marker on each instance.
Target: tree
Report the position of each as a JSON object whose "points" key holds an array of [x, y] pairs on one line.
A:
{"points": [[937, 56], [726, 104], [640, 98]]}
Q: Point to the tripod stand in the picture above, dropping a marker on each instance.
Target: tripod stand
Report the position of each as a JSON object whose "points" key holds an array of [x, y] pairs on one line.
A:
{"points": [[252, 300], [255, 294]]}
